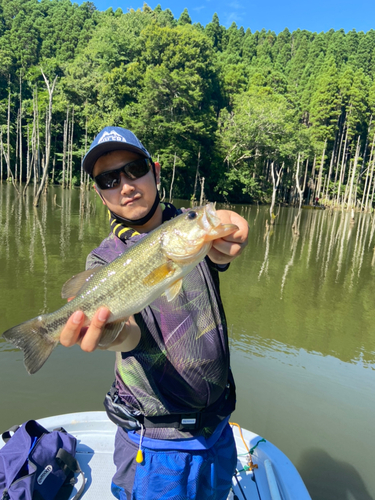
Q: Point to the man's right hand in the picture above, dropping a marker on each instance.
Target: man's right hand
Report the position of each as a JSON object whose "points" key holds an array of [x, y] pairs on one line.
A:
{"points": [[88, 337]]}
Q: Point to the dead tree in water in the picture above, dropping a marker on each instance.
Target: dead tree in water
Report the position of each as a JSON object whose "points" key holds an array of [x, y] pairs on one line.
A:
{"points": [[31, 163], [70, 152], [297, 219], [351, 202], [172, 181], [7, 154], [201, 200], [20, 129], [1, 155], [65, 140], [319, 187], [197, 176], [47, 139], [275, 183]]}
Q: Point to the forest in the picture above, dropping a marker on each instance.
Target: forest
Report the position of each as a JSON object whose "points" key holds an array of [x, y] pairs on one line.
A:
{"points": [[234, 115]]}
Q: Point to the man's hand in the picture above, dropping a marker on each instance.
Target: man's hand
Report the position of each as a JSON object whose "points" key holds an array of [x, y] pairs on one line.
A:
{"points": [[89, 337], [224, 250]]}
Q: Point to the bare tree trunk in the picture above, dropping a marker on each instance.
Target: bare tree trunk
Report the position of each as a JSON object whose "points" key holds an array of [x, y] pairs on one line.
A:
{"points": [[372, 194], [1, 155], [312, 187], [350, 197], [343, 162], [321, 171], [329, 173], [65, 140], [82, 182], [172, 181], [47, 138], [202, 192], [305, 177], [365, 149], [339, 155], [369, 185], [8, 136], [366, 192], [37, 144], [28, 157], [16, 148], [297, 218], [31, 163], [85, 175], [38, 162], [7, 155], [71, 152], [196, 175], [20, 140], [275, 183], [53, 169]]}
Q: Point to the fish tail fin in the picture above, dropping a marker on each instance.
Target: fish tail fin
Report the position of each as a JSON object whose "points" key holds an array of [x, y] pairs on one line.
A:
{"points": [[32, 338]]}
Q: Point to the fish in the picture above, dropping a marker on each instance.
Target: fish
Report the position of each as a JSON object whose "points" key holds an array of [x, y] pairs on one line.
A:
{"points": [[156, 264]]}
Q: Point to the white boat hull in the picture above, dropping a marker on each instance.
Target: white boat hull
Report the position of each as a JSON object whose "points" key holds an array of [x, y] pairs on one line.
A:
{"points": [[95, 435]]}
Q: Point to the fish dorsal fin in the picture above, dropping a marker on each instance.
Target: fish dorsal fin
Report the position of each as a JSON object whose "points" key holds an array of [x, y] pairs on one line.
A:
{"points": [[173, 290], [111, 332], [77, 283], [159, 274]]}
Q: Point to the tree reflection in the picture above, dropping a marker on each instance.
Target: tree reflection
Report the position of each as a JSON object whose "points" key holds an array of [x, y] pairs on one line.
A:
{"points": [[333, 240]]}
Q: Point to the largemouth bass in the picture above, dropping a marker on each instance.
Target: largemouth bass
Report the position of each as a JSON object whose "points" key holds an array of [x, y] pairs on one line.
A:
{"points": [[154, 265]]}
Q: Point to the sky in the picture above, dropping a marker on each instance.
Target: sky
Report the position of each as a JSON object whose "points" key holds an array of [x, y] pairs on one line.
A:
{"points": [[274, 15]]}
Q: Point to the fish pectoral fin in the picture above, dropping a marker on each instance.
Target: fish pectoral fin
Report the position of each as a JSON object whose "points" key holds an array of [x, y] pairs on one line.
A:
{"points": [[173, 290], [159, 274], [77, 283], [111, 332]]}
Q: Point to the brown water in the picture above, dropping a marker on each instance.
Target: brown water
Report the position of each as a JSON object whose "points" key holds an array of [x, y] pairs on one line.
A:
{"points": [[300, 314]]}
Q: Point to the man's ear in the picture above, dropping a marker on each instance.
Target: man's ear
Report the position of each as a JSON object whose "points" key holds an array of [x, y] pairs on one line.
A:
{"points": [[157, 172], [99, 194]]}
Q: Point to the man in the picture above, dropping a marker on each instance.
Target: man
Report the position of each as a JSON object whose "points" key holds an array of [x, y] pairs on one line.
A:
{"points": [[174, 390]]}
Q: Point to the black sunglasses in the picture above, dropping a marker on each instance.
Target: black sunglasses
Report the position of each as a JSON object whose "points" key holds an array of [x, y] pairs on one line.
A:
{"points": [[132, 170]]}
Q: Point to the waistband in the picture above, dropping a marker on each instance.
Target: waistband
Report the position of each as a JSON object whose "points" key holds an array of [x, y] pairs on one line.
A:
{"points": [[120, 414]]}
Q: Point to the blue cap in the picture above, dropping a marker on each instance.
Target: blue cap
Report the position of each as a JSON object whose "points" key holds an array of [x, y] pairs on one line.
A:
{"points": [[112, 139]]}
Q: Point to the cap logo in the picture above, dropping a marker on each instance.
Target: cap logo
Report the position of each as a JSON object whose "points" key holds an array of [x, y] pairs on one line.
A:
{"points": [[111, 136]]}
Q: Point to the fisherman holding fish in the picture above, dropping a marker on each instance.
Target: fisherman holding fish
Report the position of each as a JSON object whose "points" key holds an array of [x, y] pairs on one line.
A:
{"points": [[174, 391]]}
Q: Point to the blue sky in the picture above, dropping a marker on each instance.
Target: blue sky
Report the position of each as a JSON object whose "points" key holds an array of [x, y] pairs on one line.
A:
{"points": [[312, 15]]}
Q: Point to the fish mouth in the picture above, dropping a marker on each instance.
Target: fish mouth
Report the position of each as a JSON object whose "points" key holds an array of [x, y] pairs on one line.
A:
{"points": [[209, 219], [212, 225]]}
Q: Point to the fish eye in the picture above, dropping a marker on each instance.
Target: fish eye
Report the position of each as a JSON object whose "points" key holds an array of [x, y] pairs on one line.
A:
{"points": [[192, 215]]}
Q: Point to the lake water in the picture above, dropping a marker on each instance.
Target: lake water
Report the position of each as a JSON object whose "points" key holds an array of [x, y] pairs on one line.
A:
{"points": [[301, 316]]}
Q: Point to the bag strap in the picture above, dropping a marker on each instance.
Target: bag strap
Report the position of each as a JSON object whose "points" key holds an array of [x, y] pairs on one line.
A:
{"points": [[69, 463], [7, 434]]}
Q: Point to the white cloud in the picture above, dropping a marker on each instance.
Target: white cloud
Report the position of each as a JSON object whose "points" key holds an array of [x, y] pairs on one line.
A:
{"points": [[235, 5], [233, 17]]}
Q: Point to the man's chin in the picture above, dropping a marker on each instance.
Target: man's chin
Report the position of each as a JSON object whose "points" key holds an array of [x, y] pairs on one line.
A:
{"points": [[132, 212]]}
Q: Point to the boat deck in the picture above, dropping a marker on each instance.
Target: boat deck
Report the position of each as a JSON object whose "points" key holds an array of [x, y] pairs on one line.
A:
{"points": [[275, 478]]}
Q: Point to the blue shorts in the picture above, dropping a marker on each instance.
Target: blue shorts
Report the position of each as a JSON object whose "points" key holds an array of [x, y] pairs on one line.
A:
{"points": [[170, 474]]}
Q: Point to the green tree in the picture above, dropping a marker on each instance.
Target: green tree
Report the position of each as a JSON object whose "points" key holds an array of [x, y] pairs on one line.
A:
{"points": [[184, 18], [261, 127], [214, 32], [325, 107]]}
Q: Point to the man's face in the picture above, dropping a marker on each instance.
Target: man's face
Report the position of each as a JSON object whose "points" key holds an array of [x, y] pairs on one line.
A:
{"points": [[131, 199]]}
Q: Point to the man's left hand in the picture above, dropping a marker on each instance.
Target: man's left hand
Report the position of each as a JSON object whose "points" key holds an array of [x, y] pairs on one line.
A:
{"points": [[224, 250]]}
